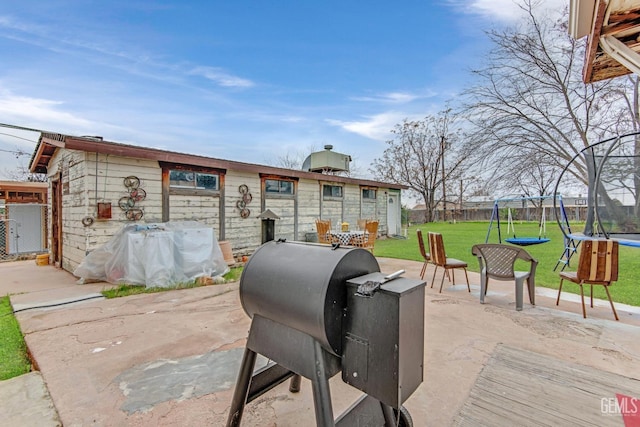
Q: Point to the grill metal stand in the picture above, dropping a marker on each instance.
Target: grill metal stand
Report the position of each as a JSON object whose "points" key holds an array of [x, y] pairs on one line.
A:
{"points": [[311, 361], [296, 353]]}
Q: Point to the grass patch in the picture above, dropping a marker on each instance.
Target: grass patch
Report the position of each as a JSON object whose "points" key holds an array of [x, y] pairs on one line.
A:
{"points": [[126, 290], [234, 274], [459, 237], [13, 350]]}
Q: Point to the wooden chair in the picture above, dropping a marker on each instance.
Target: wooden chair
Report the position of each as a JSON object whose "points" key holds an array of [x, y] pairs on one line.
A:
{"points": [[439, 259], [368, 239], [498, 262], [371, 232], [597, 265], [425, 254], [323, 227], [361, 223]]}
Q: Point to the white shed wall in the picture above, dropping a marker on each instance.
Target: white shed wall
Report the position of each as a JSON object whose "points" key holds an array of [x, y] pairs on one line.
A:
{"points": [[245, 234], [88, 179]]}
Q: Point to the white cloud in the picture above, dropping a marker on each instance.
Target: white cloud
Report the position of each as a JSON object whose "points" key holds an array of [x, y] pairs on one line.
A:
{"points": [[10, 23], [504, 10], [400, 97], [23, 109], [395, 97], [108, 52], [376, 127], [220, 77]]}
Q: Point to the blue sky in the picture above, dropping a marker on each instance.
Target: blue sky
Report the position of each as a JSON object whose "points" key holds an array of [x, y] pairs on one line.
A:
{"points": [[238, 80]]}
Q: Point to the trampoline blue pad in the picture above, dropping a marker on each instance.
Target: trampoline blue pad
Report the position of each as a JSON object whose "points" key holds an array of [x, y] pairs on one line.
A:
{"points": [[624, 242], [526, 241]]}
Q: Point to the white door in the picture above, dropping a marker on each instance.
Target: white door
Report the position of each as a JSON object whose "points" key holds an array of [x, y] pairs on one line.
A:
{"points": [[393, 215], [26, 228]]}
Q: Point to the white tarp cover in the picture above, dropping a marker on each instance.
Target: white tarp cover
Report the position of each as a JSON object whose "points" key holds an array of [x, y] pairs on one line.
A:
{"points": [[155, 255]]}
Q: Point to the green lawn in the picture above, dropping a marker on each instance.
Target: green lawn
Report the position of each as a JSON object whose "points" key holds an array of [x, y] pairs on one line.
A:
{"points": [[13, 351], [459, 237]]}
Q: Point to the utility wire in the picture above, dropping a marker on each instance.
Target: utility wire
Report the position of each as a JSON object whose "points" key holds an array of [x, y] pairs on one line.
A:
{"points": [[17, 153], [18, 137], [5, 125]]}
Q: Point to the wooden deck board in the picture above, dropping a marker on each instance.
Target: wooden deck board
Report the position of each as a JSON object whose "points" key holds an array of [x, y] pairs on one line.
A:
{"points": [[518, 387]]}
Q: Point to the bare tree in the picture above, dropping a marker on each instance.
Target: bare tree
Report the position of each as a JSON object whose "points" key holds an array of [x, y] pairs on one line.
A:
{"points": [[531, 105], [291, 159], [22, 173], [424, 155], [527, 173]]}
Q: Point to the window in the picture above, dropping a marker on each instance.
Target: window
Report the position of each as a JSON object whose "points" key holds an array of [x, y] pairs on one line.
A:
{"points": [[278, 186], [331, 191], [193, 180], [369, 193]]}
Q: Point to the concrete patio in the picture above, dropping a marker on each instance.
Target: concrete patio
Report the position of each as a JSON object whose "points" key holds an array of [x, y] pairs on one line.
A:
{"points": [[171, 358]]}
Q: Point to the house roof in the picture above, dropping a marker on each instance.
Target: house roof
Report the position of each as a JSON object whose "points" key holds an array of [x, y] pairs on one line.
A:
{"points": [[23, 192], [613, 30], [48, 143]]}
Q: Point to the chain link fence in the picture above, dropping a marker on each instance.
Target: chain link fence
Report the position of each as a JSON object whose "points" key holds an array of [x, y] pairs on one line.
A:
{"points": [[574, 213]]}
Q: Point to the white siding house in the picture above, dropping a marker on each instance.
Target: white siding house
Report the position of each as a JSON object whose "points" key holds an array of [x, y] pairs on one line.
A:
{"points": [[97, 186]]}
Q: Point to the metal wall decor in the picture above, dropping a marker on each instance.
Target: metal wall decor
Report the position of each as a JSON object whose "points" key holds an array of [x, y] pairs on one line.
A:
{"points": [[136, 194], [245, 199]]}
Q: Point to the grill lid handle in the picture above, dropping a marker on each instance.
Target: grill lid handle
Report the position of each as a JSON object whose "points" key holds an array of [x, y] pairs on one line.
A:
{"points": [[392, 276]]}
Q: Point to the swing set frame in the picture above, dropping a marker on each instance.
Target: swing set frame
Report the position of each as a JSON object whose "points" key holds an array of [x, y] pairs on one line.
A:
{"points": [[519, 241]]}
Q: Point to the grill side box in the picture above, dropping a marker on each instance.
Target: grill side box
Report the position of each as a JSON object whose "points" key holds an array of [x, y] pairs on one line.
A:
{"points": [[383, 338]]}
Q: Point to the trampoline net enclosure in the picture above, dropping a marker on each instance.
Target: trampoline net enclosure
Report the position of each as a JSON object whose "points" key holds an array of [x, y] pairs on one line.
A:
{"points": [[615, 189], [613, 182]]}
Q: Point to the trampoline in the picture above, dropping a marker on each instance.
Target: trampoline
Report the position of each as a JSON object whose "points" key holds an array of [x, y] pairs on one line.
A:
{"points": [[622, 239], [612, 185]]}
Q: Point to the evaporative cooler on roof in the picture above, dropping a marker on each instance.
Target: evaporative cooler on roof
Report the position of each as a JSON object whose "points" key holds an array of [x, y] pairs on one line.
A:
{"points": [[327, 161]]}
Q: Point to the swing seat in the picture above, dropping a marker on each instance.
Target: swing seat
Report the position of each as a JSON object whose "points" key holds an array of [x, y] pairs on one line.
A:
{"points": [[526, 241]]}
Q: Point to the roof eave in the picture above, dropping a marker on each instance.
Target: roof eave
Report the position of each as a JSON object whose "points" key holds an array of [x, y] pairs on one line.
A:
{"points": [[40, 159], [580, 17]]}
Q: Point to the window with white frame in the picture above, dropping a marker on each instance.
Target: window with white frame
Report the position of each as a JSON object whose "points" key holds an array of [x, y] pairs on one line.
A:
{"points": [[332, 191], [279, 186], [369, 194], [186, 179]]}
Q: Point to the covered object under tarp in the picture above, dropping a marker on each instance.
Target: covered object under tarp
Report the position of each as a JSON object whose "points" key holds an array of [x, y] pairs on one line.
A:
{"points": [[155, 255]]}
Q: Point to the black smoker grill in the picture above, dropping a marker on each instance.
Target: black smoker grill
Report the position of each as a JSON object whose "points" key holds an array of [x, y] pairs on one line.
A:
{"points": [[317, 310]]}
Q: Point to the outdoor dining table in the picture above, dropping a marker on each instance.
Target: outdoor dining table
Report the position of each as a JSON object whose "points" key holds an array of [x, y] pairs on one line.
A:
{"points": [[345, 237]]}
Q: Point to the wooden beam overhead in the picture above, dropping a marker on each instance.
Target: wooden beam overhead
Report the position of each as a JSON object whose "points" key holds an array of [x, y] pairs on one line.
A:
{"points": [[606, 58]]}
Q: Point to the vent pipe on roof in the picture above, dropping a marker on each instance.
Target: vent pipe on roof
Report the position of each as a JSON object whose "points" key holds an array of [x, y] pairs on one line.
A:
{"points": [[328, 147]]}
